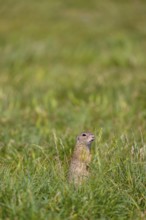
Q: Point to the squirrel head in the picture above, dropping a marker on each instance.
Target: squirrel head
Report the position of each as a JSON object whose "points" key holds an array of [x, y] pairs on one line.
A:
{"points": [[85, 138]]}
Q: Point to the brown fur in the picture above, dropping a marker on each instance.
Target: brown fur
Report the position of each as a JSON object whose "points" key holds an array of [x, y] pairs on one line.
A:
{"points": [[78, 171]]}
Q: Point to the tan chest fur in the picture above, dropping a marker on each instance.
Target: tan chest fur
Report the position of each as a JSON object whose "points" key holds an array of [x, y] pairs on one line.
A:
{"points": [[82, 154], [79, 163]]}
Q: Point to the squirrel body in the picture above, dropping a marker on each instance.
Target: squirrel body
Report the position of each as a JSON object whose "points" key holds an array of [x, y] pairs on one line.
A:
{"points": [[81, 158]]}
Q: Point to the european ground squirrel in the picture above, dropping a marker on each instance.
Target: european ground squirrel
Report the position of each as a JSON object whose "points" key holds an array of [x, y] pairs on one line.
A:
{"points": [[81, 158]]}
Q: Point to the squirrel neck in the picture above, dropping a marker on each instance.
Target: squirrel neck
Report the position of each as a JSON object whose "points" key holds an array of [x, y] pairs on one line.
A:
{"points": [[82, 152], [83, 145]]}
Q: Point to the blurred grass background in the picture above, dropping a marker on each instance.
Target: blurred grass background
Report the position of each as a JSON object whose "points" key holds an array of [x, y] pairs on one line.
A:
{"points": [[68, 67]]}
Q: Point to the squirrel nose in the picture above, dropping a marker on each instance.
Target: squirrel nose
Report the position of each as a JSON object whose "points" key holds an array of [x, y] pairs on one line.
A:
{"points": [[92, 137]]}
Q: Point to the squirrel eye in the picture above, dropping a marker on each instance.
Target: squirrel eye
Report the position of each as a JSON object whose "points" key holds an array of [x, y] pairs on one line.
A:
{"points": [[83, 134]]}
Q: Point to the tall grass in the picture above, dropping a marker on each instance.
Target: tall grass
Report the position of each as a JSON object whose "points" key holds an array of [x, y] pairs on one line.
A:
{"points": [[68, 67]]}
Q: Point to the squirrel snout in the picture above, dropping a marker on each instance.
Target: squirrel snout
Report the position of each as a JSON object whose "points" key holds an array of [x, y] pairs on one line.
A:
{"points": [[92, 137]]}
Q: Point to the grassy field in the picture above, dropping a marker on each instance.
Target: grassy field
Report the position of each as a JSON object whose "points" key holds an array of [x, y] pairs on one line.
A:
{"points": [[68, 67]]}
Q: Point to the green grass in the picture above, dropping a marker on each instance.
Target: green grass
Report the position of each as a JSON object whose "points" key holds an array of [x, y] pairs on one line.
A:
{"points": [[68, 67]]}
